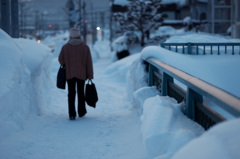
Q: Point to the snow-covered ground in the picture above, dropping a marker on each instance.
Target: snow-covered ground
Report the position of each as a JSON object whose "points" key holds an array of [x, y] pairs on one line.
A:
{"points": [[130, 121]]}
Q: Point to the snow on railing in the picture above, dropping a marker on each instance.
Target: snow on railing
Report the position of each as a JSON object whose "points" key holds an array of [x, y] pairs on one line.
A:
{"points": [[203, 48], [195, 96]]}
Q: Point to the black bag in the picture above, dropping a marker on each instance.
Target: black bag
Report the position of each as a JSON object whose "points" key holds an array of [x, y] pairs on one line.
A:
{"points": [[61, 77], [91, 96]]}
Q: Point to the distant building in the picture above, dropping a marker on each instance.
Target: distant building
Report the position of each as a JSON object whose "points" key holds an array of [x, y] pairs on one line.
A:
{"points": [[219, 18], [235, 23], [213, 16], [175, 9], [198, 9]]}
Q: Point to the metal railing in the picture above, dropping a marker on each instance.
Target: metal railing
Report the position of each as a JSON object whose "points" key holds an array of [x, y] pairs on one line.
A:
{"points": [[203, 48], [162, 76]]}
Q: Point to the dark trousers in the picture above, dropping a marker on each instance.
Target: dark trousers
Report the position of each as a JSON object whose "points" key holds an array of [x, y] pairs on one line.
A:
{"points": [[71, 97]]}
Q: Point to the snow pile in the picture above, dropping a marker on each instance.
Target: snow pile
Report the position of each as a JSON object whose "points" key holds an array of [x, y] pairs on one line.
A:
{"points": [[38, 59], [187, 20], [136, 77], [100, 49], [120, 44], [165, 128], [203, 38], [179, 2], [166, 131], [222, 142], [120, 68], [200, 37], [15, 79], [163, 123], [165, 31], [24, 79]]}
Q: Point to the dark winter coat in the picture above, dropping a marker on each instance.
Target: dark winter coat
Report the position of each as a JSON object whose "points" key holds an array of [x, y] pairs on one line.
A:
{"points": [[76, 56]]}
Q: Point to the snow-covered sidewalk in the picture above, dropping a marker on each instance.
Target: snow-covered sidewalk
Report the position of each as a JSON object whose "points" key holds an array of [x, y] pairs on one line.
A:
{"points": [[112, 130], [131, 119]]}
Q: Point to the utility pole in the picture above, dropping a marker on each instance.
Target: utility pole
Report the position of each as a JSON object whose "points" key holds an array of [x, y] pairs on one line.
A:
{"points": [[93, 25], [84, 23], [21, 19], [80, 16], [111, 30], [6, 16], [14, 18], [37, 24], [71, 13], [103, 24], [213, 16]]}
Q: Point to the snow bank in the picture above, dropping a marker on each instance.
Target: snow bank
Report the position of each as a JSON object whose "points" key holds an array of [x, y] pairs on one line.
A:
{"points": [[21, 77], [136, 77], [10, 53], [222, 142], [200, 37], [14, 100], [179, 2], [165, 31], [167, 132], [120, 68], [101, 49], [164, 127], [120, 44], [38, 59]]}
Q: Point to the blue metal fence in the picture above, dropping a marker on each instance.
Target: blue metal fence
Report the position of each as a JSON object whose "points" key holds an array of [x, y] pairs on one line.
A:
{"points": [[163, 75], [204, 48]]}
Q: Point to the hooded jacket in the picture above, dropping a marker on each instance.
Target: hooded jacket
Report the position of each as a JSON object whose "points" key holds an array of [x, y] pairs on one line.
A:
{"points": [[76, 57]]}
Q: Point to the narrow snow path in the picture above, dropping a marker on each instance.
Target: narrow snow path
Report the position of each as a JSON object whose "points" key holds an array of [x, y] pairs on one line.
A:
{"points": [[111, 131]]}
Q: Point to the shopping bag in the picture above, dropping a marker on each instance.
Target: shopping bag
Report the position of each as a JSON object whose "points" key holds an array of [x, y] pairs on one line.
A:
{"points": [[91, 96], [61, 77]]}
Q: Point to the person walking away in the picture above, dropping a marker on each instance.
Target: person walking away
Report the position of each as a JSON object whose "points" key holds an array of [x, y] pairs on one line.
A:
{"points": [[76, 57]]}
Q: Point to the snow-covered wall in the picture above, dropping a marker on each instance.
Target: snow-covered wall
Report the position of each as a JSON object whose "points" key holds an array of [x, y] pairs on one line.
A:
{"points": [[25, 75]]}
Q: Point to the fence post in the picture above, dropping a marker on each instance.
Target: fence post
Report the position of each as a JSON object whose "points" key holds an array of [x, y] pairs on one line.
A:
{"points": [[192, 96], [165, 79], [150, 75], [189, 48]]}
